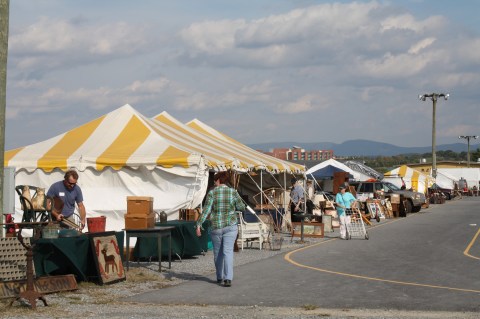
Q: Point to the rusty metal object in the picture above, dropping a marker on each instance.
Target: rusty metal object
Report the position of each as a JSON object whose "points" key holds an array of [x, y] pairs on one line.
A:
{"points": [[44, 285], [30, 294]]}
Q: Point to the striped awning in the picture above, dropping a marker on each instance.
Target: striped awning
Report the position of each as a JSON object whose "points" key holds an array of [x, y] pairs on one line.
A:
{"points": [[121, 138], [246, 156]]}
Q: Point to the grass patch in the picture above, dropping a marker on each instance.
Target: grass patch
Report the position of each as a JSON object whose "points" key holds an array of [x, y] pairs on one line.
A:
{"points": [[138, 275], [309, 307]]}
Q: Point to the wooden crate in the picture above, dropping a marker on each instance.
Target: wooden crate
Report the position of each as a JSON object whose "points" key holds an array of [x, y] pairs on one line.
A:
{"points": [[188, 214], [139, 221], [139, 205]]}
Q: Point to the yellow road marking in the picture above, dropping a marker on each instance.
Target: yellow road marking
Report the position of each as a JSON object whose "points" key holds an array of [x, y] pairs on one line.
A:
{"points": [[466, 252], [289, 259]]}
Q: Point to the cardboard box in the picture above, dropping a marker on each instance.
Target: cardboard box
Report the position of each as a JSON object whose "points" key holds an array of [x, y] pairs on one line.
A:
{"points": [[139, 221], [139, 205]]}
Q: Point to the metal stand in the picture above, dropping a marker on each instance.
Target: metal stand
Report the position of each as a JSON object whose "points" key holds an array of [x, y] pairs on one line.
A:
{"points": [[29, 294]]}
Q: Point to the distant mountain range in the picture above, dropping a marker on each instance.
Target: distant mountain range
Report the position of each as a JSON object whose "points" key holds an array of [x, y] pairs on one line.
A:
{"points": [[365, 148]]}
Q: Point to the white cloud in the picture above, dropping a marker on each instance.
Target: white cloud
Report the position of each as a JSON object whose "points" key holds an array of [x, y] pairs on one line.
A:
{"points": [[408, 22], [260, 68], [59, 43], [420, 45], [306, 103]]}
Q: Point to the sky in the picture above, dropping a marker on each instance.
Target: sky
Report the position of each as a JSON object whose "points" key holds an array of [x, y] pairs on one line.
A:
{"points": [[259, 71]]}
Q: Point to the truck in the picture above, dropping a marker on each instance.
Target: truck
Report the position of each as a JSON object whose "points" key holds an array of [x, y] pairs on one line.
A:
{"points": [[412, 201]]}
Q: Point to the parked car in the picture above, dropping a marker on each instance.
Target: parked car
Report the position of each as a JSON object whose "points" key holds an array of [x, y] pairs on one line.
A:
{"points": [[413, 200]]}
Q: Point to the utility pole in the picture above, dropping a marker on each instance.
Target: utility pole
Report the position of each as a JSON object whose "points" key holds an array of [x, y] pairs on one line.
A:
{"points": [[434, 97], [468, 137], [4, 17]]}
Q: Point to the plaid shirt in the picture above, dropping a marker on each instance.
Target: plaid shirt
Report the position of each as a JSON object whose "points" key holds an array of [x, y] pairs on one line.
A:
{"points": [[222, 202]]}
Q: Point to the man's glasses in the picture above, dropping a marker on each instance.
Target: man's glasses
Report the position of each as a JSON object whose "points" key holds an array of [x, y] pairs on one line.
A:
{"points": [[70, 184]]}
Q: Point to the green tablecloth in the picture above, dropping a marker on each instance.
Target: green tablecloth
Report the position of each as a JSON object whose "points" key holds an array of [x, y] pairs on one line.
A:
{"points": [[185, 242], [68, 255]]}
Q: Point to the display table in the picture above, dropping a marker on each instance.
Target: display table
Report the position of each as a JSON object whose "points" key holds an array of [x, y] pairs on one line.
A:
{"points": [[68, 255], [158, 232], [185, 242]]}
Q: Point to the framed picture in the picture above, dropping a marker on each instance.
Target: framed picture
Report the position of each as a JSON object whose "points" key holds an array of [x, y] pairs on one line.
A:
{"points": [[375, 209], [108, 260]]}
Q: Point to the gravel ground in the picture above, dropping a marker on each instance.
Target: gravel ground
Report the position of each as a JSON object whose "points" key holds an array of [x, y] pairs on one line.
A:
{"points": [[94, 301]]}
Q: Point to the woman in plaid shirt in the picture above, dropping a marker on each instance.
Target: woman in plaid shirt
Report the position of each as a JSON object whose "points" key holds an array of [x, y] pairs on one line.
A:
{"points": [[221, 203]]}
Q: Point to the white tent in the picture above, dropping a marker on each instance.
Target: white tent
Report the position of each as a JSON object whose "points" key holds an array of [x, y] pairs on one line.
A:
{"points": [[270, 173], [470, 174], [117, 155], [125, 154], [445, 180], [329, 166], [413, 179]]}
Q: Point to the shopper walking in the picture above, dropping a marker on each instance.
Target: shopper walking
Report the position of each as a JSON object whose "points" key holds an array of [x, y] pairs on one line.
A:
{"points": [[222, 203]]}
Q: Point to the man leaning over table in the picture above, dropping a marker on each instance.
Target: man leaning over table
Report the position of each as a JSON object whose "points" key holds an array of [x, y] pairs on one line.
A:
{"points": [[70, 193]]}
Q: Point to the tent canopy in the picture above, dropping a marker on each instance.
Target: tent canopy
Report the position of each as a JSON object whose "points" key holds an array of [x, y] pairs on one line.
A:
{"points": [[123, 153], [327, 168], [246, 156], [413, 179], [121, 138]]}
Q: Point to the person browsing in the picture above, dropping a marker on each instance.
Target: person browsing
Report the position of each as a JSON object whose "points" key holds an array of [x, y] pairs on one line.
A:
{"points": [[343, 200], [296, 204], [70, 193], [221, 203]]}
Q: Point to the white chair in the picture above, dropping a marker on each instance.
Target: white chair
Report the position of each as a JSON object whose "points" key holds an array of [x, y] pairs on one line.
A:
{"points": [[249, 232]]}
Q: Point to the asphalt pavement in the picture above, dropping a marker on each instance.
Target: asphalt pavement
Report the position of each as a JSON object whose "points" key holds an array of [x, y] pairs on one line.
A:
{"points": [[427, 261]]}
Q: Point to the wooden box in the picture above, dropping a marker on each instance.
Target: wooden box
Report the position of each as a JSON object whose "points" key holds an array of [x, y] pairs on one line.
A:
{"points": [[139, 205], [139, 221], [188, 214]]}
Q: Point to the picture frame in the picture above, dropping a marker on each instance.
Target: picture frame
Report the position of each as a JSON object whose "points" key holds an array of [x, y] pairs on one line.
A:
{"points": [[375, 209], [106, 254]]}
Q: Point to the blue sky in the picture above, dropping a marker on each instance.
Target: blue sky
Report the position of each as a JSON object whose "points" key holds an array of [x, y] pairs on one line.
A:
{"points": [[259, 71]]}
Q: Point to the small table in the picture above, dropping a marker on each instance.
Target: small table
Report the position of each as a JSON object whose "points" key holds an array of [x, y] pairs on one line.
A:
{"points": [[158, 232]]}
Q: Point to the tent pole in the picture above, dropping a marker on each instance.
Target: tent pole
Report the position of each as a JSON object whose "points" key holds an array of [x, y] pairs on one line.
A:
{"points": [[285, 196], [261, 191]]}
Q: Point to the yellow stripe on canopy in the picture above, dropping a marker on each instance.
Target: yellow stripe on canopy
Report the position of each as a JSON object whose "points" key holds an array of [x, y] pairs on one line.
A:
{"points": [[173, 156], [402, 170], [116, 155], [10, 154], [58, 155]]}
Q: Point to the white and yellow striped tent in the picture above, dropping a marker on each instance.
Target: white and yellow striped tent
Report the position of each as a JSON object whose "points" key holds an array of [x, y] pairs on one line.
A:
{"points": [[278, 172], [117, 155], [413, 179], [220, 150], [125, 154]]}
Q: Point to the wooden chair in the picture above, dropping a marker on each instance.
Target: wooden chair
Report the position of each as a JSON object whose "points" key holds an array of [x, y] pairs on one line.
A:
{"points": [[249, 232]]}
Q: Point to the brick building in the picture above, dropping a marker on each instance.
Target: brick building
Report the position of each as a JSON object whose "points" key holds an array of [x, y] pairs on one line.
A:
{"points": [[299, 154]]}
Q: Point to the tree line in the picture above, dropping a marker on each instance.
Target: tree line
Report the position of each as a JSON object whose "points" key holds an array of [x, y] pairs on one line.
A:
{"points": [[384, 164]]}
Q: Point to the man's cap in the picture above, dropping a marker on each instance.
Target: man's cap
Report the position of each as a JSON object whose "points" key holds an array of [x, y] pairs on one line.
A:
{"points": [[341, 187]]}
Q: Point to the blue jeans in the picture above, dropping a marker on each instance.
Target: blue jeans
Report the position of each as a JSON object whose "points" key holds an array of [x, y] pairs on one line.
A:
{"points": [[223, 240]]}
